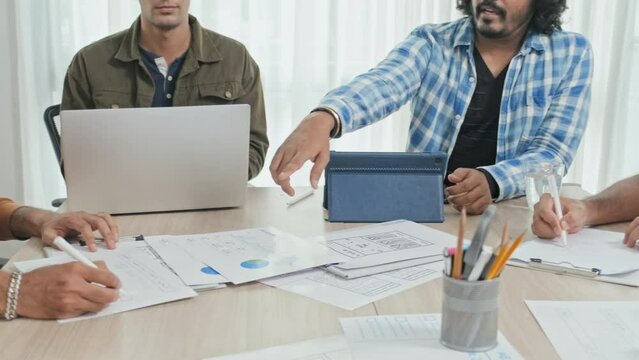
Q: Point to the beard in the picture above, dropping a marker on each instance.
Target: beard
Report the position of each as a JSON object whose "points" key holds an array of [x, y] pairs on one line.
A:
{"points": [[487, 28], [490, 33]]}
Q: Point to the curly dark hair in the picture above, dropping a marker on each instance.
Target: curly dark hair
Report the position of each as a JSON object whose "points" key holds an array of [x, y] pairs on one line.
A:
{"points": [[547, 17]]}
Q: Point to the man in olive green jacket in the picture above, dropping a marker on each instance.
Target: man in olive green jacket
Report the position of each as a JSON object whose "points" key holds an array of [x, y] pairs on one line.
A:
{"points": [[167, 59]]}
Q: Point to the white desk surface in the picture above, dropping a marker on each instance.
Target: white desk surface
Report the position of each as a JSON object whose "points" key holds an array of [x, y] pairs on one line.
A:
{"points": [[254, 316]]}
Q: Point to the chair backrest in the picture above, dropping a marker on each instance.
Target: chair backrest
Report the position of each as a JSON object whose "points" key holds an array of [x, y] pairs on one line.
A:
{"points": [[51, 120]]}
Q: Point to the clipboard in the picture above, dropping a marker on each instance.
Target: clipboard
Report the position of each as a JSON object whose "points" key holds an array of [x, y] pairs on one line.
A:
{"points": [[628, 279]]}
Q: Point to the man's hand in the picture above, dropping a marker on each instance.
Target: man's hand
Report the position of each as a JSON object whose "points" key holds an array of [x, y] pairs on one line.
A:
{"points": [[81, 223], [310, 141], [632, 234], [546, 224], [471, 190], [65, 291]]}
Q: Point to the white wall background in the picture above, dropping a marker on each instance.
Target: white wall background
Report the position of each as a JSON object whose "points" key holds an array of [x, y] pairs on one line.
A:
{"points": [[10, 145], [304, 48]]}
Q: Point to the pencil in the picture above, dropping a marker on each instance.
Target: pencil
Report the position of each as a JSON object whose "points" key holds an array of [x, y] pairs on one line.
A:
{"points": [[459, 253], [505, 236], [503, 246], [509, 253]]}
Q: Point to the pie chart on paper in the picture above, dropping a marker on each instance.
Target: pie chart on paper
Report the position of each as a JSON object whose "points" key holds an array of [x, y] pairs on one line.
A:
{"points": [[254, 264], [209, 271]]}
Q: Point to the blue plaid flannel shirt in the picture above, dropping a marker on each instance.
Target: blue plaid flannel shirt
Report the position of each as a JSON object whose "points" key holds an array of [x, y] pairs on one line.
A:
{"points": [[544, 108]]}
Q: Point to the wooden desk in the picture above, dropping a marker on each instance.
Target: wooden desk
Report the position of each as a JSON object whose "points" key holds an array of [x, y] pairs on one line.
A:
{"points": [[254, 316]]}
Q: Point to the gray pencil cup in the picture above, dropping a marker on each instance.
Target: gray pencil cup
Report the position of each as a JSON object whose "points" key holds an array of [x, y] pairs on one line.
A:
{"points": [[470, 314]]}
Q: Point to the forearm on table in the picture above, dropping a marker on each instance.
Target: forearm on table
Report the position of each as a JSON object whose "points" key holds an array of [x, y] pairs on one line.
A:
{"points": [[27, 221], [619, 202]]}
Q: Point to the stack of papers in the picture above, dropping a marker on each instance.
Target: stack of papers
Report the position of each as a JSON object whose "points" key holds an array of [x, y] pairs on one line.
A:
{"points": [[385, 247], [404, 337], [145, 279], [372, 262], [590, 329], [381, 260]]}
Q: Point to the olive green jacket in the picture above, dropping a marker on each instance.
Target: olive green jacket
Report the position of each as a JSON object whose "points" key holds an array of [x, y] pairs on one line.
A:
{"points": [[217, 70]]}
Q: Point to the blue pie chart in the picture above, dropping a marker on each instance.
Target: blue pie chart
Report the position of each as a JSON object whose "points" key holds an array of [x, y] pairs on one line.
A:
{"points": [[209, 271], [254, 264]]}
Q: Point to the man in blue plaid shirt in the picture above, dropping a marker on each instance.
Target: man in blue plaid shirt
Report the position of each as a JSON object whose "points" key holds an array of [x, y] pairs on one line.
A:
{"points": [[496, 89]]}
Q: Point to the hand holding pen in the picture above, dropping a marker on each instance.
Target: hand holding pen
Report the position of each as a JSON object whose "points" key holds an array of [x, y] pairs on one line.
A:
{"points": [[548, 225], [67, 290]]}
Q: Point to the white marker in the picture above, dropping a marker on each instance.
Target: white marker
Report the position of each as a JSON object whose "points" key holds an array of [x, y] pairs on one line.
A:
{"points": [[554, 192], [63, 245], [300, 197]]}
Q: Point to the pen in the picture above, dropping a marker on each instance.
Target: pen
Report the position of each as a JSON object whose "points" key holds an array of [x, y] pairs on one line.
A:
{"points": [[471, 256], [554, 192], [483, 259], [63, 245], [301, 197], [447, 261]]}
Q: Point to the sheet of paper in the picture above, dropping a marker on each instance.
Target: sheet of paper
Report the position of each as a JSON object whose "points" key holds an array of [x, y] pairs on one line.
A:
{"points": [[351, 294], [146, 280], [586, 249], [589, 330], [386, 243], [409, 337], [331, 348], [51, 251], [175, 253], [254, 254]]}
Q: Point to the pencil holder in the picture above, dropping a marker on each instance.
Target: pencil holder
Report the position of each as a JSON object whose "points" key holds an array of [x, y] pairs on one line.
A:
{"points": [[470, 314]]}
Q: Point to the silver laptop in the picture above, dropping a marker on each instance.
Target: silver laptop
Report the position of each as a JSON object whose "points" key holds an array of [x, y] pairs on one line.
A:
{"points": [[141, 160]]}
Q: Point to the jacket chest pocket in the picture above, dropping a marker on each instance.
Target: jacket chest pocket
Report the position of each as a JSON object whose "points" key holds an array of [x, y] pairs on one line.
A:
{"points": [[220, 93], [109, 99]]}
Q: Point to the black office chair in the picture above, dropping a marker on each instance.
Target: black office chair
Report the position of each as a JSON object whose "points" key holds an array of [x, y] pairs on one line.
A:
{"points": [[51, 114]]}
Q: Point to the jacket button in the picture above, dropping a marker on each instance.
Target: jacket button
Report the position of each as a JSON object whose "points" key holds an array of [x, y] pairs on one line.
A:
{"points": [[228, 94]]}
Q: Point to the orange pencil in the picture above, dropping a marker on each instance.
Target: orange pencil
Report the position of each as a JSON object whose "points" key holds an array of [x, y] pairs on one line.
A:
{"points": [[459, 254], [505, 236], [504, 259], [500, 250]]}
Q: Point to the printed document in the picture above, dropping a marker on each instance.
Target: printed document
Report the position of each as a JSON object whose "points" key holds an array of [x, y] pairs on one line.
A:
{"points": [[388, 243], [351, 294], [145, 279], [589, 330], [248, 255], [409, 337], [331, 348], [174, 251]]}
